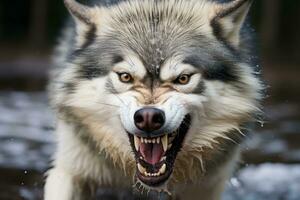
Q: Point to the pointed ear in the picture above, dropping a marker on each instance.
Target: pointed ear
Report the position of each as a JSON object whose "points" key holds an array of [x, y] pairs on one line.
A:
{"points": [[81, 13], [83, 16], [229, 20]]}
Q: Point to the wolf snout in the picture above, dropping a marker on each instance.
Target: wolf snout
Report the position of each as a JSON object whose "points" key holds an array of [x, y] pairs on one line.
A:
{"points": [[149, 119]]}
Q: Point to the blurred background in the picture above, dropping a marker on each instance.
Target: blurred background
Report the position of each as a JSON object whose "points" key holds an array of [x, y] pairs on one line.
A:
{"points": [[28, 33]]}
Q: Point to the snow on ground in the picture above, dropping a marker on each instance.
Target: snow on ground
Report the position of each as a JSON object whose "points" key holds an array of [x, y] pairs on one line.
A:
{"points": [[26, 125], [266, 181]]}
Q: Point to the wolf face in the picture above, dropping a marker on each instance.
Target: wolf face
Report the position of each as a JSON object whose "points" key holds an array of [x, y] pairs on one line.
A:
{"points": [[159, 85]]}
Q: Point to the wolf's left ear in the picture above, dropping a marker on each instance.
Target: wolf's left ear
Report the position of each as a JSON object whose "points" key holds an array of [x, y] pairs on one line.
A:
{"points": [[229, 20]]}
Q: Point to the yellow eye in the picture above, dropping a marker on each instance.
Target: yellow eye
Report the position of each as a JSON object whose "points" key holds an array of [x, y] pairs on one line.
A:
{"points": [[125, 77], [183, 79]]}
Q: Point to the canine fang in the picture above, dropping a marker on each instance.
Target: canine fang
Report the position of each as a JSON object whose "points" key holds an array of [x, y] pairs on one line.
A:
{"points": [[164, 141]]}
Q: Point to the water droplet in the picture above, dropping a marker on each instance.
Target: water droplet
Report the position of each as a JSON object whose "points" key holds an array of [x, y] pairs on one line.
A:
{"points": [[235, 182]]}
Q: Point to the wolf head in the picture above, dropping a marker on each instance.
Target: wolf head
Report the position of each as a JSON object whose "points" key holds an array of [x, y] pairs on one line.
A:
{"points": [[158, 82]]}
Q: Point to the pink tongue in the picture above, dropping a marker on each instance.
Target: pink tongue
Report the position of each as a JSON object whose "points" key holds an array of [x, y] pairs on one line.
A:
{"points": [[152, 153]]}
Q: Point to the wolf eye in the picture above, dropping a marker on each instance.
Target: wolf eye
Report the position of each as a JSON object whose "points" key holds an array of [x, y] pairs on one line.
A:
{"points": [[183, 79], [125, 77]]}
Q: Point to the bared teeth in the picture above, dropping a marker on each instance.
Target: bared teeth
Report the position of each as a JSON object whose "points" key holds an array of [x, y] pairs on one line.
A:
{"points": [[163, 168], [152, 174], [141, 168], [143, 171], [164, 141], [149, 141], [137, 143], [163, 158]]}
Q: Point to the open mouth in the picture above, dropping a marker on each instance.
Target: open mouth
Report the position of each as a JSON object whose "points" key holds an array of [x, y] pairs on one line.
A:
{"points": [[155, 156]]}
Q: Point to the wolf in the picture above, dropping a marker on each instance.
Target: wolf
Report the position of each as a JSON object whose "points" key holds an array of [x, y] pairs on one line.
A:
{"points": [[154, 94]]}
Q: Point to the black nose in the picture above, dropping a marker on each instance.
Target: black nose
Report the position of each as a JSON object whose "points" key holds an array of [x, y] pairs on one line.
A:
{"points": [[149, 119]]}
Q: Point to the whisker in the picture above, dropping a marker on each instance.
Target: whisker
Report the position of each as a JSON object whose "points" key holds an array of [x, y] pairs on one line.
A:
{"points": [[108, 104]]}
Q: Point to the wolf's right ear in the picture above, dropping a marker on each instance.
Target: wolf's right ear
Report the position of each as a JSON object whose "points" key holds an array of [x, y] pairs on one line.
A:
{"points": [[84, 16], [81, 13]]}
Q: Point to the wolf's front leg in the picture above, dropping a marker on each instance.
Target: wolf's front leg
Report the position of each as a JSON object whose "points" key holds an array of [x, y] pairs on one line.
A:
{"points": [[64, 186]]}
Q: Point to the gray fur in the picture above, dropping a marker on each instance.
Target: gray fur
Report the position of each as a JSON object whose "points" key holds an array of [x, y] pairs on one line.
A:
{"points": [[155, 42], [155, 32]]}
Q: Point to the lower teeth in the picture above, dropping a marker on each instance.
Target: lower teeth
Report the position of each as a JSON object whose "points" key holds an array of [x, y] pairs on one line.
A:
{"points": [[163, 158], [143, 171]]}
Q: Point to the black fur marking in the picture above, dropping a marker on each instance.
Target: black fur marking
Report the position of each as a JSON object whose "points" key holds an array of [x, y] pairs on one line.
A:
{"points": [[90, 37], [218, 32], [200, 88], [219, 70], [90, 72], [222, 72], [69, 87], [110, 87], [117, 59], [194, 61], [96, 59]]}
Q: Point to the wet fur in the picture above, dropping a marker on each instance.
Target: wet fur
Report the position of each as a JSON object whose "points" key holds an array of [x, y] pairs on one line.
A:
{"points": [[93, 148]]}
